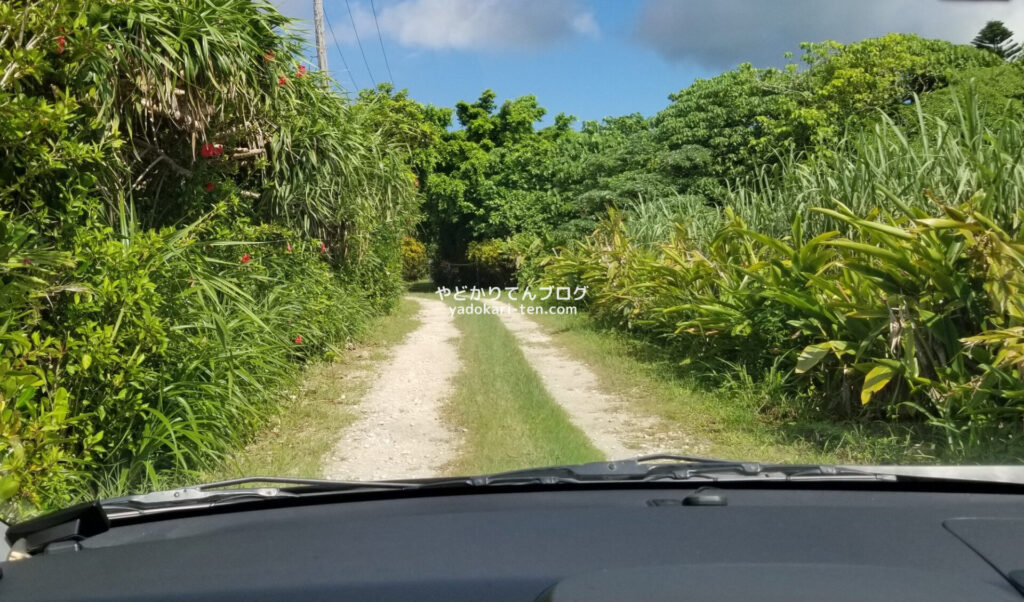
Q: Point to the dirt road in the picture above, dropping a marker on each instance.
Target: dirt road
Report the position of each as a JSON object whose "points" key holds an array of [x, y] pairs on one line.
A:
{"points": [[607, 420], [401, 430]]}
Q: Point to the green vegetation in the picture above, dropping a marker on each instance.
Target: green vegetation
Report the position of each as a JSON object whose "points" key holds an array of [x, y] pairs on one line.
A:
{"points": [[414, 259], [498, 178], [509, 418], [305, 427], [900, 300], [188, 214], [729, 416], [846, 234], [996, 38]]}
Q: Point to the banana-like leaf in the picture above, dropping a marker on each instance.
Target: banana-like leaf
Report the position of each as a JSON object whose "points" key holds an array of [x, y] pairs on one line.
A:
{"points": [[875, 381], [813, 354]]}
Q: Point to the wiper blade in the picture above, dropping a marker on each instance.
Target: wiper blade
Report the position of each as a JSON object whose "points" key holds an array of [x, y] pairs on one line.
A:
{"points": [[686, 467], [660, 467], [667, 467], [226, 492], [315, 483], [643, 469], [79, 522]]}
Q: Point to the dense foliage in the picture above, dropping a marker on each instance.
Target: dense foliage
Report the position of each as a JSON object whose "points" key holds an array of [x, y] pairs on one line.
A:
{"points": [[899, 298], [851, 226], [188, 212], [497, 177], [997, 38]]}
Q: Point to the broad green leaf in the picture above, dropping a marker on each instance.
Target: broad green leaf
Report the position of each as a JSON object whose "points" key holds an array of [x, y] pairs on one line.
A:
{"points": [[809, 357], [9, 486], [812, 354], [875, 381]]}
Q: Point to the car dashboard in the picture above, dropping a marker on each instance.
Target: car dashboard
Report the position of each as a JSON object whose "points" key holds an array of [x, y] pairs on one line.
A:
{"points": [[591, 544]]}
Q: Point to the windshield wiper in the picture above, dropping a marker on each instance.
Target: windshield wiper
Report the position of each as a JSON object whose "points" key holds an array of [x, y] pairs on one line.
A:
{"points": [[226, 492], [663, 467], [660, 467], [76, 523]]}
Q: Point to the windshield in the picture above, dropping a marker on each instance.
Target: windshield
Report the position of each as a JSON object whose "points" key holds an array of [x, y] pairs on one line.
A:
{"points": [[400, 239]]}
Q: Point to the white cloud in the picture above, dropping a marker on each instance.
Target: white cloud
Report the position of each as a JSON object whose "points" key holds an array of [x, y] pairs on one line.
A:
{"points": [[453, 24], [298, 9], [719, 34], [585, 24], [484, 24]]}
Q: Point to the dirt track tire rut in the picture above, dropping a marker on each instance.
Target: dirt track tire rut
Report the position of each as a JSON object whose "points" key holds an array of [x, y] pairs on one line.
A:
{"points": [[400, 432]]}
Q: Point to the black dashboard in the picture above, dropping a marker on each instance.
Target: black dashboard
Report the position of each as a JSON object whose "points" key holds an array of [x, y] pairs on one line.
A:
{"points": [[594, 545]]}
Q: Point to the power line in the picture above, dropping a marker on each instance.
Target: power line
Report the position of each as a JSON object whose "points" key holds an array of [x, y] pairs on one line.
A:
{"points": [[359, 43], [381, 40], [351, 75]]}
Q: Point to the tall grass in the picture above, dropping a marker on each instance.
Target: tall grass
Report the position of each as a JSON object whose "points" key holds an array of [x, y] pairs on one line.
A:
{"points": [[949, 158], [887, 276], [652, 222], [187, 214], [196, 362]]}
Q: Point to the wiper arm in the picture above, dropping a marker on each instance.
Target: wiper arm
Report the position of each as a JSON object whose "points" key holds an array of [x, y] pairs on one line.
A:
{"points": [[226, 492], [719, 469], [79, 522], [327, 484]]}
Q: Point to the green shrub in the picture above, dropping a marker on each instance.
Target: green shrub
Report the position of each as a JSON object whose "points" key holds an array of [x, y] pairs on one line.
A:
{"points": [[171, 254], [899, 300], [36, 445], [492, 262], [528, 253], [377, 269], [414, 259], [182, 340]]}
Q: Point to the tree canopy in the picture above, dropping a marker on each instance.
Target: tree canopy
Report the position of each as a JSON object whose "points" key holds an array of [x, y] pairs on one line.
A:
{"points": [[996, 38], [496, 175]]}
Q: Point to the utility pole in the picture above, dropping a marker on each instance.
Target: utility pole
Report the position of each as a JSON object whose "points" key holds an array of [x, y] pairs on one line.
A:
{"points": [[321, 44]]}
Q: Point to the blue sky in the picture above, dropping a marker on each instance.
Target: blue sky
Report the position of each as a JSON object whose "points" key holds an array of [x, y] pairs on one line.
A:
{"points": [[595, 58]]}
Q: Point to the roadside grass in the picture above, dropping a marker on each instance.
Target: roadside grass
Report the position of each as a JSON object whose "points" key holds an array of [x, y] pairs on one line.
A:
{"points": [[742, 419], [312, 416], [507, 418]]}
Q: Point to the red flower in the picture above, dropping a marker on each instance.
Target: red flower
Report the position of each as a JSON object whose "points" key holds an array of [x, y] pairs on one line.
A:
{"points": [[298, 339], [323, 248], [302, 71], [246, 258], [211, 150], [282, 80], [26, 261], [288, 247], [269, 56], [209, 187], [61, 41]]}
